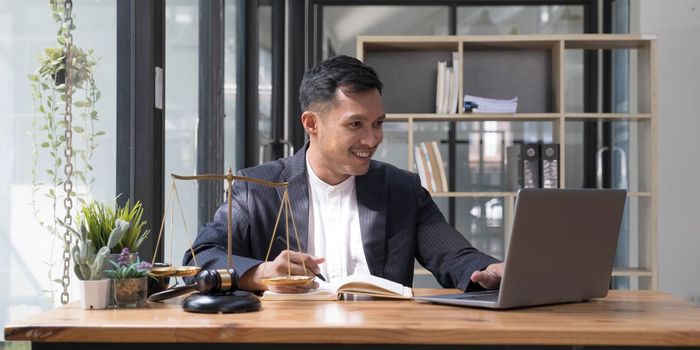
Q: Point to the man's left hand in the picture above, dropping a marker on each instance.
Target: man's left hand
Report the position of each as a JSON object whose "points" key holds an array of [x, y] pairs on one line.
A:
{"points": [[490, 277]]}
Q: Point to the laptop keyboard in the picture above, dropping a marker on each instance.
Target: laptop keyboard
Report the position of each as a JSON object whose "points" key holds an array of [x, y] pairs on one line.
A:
{"points": [[480, 296]]}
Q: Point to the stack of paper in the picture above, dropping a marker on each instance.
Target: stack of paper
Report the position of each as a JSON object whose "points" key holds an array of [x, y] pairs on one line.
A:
{"points": [[491, 105]]}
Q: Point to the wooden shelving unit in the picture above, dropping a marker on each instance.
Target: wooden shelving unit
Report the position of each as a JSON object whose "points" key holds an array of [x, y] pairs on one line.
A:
{"points": [[531, 67]]}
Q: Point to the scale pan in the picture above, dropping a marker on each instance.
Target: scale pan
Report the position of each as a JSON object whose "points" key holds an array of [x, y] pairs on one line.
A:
{"points": [[287, 280], [174, 271]]}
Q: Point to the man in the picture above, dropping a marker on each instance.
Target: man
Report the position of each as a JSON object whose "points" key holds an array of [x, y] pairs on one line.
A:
{"points": [[353, 214]]}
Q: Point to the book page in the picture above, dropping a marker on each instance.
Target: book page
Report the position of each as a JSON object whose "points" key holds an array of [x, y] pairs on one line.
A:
{"points": [[316, 294], [373, 285], [354, 284]]}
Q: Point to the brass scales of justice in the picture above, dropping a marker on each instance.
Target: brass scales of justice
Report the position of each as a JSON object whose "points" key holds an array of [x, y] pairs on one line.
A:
{"points": [[217, 288]]}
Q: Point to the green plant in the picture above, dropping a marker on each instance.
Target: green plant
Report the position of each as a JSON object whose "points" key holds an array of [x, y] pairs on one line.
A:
{"points": [[88, 263], [124, 270], [100, 218], [63, 87]]}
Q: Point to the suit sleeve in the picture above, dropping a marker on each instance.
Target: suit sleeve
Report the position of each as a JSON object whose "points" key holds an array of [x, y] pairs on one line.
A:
{"points": [[440, 248], [210, 247]]}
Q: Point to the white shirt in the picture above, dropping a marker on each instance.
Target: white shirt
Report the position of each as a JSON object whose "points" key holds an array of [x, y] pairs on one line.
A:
{"points": [[334, 227]]}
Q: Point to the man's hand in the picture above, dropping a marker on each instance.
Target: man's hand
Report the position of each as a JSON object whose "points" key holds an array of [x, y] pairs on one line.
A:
{"points": [[490, 277], [287, 262]]}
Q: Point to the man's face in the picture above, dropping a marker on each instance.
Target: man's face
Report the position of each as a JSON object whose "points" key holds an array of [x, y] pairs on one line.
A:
{"points": [[346, 135]]}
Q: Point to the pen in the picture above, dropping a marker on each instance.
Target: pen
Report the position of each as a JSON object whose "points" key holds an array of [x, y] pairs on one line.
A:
{"points": [[321, 277]]}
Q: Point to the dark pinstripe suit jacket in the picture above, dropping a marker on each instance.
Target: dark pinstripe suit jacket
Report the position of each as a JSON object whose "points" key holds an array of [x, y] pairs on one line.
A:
{"points": [[398, 221]]}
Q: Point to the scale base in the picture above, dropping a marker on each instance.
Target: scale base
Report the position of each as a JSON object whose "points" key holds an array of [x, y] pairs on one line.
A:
{"points": [[236, 302]]}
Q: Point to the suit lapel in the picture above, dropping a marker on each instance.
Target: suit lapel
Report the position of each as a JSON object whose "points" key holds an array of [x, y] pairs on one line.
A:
{"points": [[371, 205], [295, 174]]}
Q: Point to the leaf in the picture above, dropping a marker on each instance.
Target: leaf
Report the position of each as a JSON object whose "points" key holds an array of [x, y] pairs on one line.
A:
{"points": [[44, 144], [81, 104], [99, 133], [121, 227], [85, 271], [78, 272], [78, 129]]}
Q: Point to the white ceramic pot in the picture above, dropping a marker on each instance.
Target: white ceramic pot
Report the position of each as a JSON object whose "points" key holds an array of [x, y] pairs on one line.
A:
{"points": [[94, 294]]}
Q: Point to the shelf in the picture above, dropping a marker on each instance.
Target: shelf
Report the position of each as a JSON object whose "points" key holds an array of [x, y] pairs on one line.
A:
{"points": [[473, 117], [638, 194], [471, 194], [534, 68], [617, 272], [606, 116], [571, 41], [608, 41], [508, 194], [627, 271], [411, 45], [516, 117]]}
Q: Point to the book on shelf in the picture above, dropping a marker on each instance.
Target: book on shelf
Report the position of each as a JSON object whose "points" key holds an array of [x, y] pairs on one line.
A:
{"points": [[490, 105], [549, 154], [447, 86], [449, 76], [454, 90], [440, 165], [440, 85], [421, 166], [430, 167], [355, 284]]}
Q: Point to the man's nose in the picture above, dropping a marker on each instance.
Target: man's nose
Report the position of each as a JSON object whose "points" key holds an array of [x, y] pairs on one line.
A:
{"points": [[371, 137]]}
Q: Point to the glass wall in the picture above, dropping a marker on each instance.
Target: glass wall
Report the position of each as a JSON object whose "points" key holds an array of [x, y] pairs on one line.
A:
{"points": [[342, 24], [31, 254], [182, 115], [264, 120]]}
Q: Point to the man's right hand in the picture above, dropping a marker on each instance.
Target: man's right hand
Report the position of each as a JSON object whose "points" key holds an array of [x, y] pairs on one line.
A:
{"points": [[285, 263]]}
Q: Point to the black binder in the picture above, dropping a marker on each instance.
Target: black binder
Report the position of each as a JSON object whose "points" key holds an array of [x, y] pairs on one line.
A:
{"points": [[523, 166], [549, 153]]}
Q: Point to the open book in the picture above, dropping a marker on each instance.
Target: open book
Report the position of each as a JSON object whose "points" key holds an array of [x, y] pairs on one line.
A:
{"points": [[355, 284]]}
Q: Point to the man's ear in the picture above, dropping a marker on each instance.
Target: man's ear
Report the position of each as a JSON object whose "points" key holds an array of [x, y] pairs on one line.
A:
{"points": [[310, 120]]}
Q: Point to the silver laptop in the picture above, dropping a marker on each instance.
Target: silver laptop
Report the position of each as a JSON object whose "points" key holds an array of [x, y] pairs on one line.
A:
{"points": [[561, 250]]}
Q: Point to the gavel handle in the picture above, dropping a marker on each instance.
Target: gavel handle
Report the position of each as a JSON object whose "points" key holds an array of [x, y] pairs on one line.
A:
{"points": [[172, 292]]}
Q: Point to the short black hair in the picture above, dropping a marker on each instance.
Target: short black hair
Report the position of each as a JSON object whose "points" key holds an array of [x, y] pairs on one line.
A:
{"points": [[320, 83]]}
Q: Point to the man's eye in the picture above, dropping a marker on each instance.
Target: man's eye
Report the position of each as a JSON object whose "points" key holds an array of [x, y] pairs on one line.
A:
{"points": [[354, 124], [379, 123]]}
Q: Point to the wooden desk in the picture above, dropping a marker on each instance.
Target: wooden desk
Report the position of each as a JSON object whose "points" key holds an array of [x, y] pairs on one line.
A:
{"points": [[639, 318]]}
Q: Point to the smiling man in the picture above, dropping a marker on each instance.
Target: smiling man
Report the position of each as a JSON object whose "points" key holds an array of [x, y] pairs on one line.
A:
{"points": [[353, 214]]}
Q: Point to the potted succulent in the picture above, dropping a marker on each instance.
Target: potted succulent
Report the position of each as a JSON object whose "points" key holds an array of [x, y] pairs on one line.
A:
{"points": [[89, 264], [99, 219], [129, 280]]}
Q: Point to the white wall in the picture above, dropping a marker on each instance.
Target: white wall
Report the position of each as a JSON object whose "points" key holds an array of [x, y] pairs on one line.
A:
{"points": [[677, 25]]}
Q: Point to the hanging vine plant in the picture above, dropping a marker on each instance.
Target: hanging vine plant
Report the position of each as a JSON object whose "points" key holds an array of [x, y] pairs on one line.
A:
{"points": [[64, 136]]}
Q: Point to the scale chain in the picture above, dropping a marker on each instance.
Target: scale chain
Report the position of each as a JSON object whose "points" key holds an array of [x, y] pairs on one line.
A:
{"points": [[68, 152]]}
